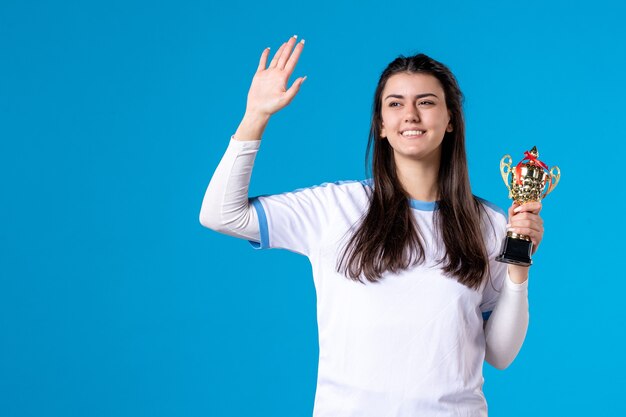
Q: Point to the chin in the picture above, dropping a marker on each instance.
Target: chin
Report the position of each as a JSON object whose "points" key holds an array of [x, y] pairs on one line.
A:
{"points": [[418, 154]]}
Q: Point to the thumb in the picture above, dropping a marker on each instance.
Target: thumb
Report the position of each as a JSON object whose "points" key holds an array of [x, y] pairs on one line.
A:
{"points": [[295, 87]]}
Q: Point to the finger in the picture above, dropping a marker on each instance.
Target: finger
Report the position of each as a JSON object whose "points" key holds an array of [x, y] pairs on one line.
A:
{"points": [[526, 216], [524, 219], [512, 210], [286, 52], [263, 60], [293, 90], [533, 230], [536, 241], [533, 234], [276, 56], [532, 206], [293, 59], [529, 224], [535, 248]]}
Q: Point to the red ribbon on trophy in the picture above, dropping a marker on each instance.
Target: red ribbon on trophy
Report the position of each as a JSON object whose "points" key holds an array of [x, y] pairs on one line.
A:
{"points": [[533, 160]]}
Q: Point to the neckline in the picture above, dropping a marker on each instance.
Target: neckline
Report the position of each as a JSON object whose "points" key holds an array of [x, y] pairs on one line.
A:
{"points": [[423, 205], [416, 204]]}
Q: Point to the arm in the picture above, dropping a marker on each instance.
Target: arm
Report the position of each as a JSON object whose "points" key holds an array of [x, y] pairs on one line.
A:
{"points": [[225, 207], [506, 328]]}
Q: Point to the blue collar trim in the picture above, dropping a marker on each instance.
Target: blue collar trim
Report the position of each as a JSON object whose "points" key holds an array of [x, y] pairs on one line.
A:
{"points": [[423, 205]]}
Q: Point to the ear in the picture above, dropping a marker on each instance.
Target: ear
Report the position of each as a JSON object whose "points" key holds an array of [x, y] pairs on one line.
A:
{"points": [[449, 128], [383, 132]]}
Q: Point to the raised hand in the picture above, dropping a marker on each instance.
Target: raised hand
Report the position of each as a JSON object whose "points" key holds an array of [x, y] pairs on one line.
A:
{"points": [[268, 92]]}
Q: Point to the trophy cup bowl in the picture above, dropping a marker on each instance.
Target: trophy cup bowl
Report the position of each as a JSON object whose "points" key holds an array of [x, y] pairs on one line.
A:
{"points": [[530, 180]]}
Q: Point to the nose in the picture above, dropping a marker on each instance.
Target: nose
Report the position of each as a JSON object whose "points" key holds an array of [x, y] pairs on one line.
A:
{"points": [[412, 115]]}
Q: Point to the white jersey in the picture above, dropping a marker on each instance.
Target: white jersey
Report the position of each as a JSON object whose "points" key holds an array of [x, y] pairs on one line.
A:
{"points": [[411, 344]]}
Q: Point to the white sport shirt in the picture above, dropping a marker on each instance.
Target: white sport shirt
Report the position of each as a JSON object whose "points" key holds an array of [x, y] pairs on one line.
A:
{"points": [[411, 344]]}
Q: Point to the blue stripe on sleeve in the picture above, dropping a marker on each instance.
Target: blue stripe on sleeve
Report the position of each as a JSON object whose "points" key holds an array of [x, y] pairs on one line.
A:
{"points": [[265, 237]]}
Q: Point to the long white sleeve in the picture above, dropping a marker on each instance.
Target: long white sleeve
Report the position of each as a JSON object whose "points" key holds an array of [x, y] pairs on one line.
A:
{"points": [[225, 207], [506, 328]]}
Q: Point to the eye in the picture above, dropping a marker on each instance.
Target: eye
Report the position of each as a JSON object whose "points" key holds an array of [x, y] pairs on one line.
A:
{"points": [[426, 102], [392, 104]]}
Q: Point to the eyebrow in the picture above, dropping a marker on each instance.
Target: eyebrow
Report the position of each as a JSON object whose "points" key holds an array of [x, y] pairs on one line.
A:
{"points": [[417, 96]]}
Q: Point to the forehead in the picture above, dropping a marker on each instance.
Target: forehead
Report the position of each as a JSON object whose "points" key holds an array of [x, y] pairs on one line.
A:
{"points": [[406, 84]]}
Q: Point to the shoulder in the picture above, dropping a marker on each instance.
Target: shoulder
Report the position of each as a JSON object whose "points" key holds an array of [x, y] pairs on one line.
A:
{"points": [[493, 216], [343, 185], [327, 194], [494, 220], [493, 210], [345, 189]]}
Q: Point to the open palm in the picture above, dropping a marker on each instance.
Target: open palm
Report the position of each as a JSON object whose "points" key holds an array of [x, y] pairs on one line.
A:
{"points": [[268, 92]]}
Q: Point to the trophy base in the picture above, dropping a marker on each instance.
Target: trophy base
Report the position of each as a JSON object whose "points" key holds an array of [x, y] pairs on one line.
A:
{"points": [[516, 251]]}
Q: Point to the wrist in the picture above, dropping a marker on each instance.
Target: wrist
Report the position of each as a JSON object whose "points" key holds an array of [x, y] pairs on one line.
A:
{"points": [[518, 274], [252, 126], [255, 118]]}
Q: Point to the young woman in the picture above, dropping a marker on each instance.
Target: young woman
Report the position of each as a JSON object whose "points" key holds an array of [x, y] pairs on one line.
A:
{"points": [[410, 300]]}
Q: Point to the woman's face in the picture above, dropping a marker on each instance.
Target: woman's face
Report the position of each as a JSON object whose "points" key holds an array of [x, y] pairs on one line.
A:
{"points": [[414, 116]]}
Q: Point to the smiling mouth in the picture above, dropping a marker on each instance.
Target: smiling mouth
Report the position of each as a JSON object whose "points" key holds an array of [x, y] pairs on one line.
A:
{"points": [[413, 133]]}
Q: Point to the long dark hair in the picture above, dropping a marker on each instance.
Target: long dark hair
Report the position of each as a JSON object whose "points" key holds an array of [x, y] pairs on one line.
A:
{"points": [[388, 238]]}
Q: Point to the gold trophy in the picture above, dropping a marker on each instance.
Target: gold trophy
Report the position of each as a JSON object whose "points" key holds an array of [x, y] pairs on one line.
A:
{"points": [[531, 180]]}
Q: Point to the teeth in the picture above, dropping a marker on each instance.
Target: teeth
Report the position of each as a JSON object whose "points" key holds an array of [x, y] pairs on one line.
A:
{"points": [[412, 132]]}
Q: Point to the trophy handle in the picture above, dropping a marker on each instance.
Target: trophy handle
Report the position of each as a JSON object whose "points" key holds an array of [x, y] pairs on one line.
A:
{"points": [[555, 176], [505, 170]]}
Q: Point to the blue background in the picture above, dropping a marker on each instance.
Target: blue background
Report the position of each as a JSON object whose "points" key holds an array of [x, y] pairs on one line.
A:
{"points": [[115, 301]]}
